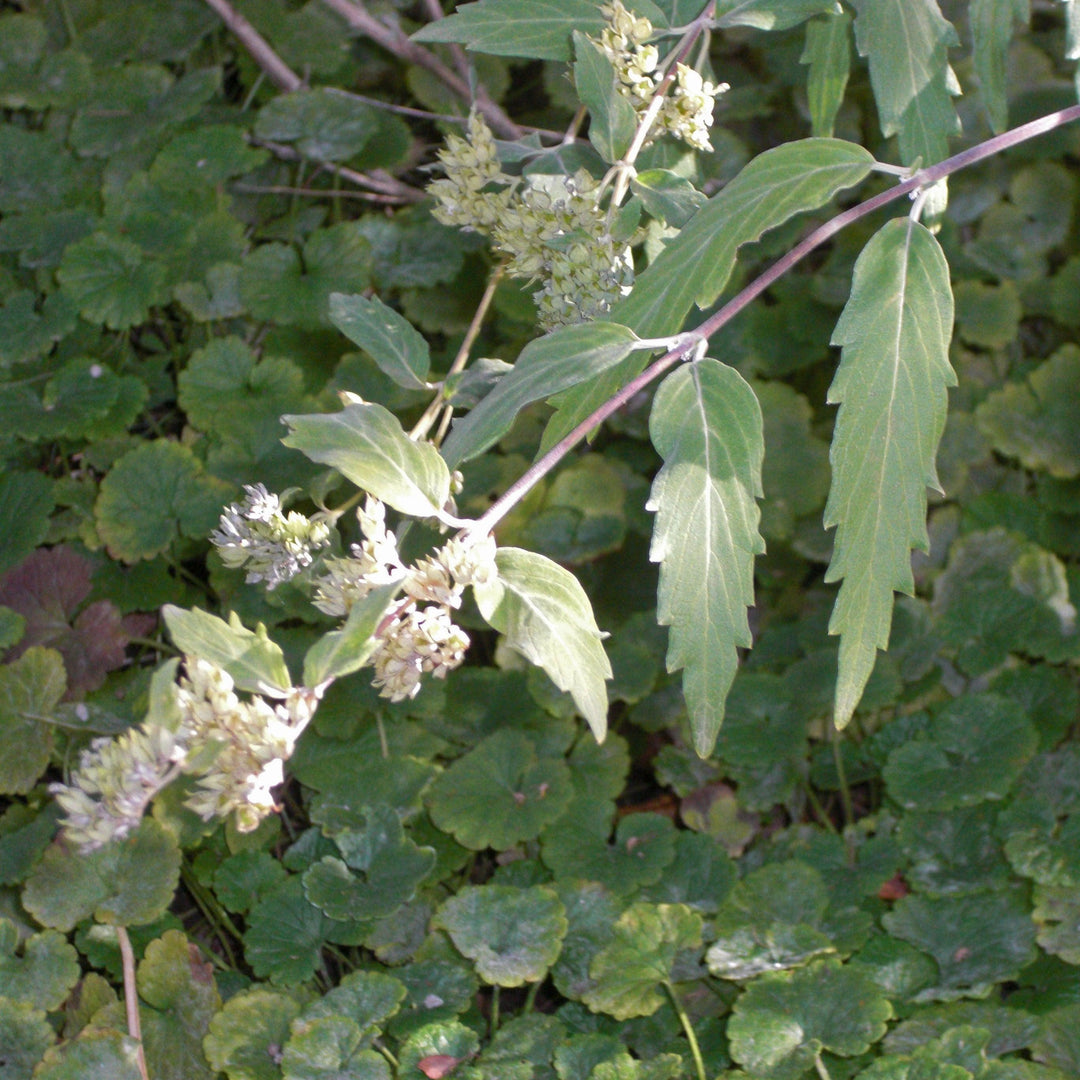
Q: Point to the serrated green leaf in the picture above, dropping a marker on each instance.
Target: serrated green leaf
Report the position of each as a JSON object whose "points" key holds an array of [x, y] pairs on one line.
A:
{"points": [[975, 749], [387, 867], [696, 265], [324, 123], [253, 661], [125, 883], [577, 846], [539, 29], [1037, 420], [546, 616], [277, 285], [706, 425], [631, 971], [976, 940], [245, 878], [782, 1022], [24, 836], [325, 1049], [178, 986], [992, 23], [94, 1055], [558, 360], [612, 119], [512, 935], [388, 338], [27, 333], [907, 43], [45, 972], [828, 54], [770, 14], [667, 196], [367, 445], [30, 689], [247, 1035], [155, 494], [108, 281], [341, 652], [891, 386], [501, 793]]}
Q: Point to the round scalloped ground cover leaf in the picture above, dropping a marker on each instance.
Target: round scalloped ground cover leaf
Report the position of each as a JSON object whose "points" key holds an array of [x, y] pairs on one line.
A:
{"points": [[154, 495], [447, 1040], [976, 940], [501, 793], [247, 1035], [783, 1021], [577, 846], [45, 972], [25, 1034], [94, 1055], [126, 883], [512, 935], [975, 749], [285, 935], [630, 971], [30, 687]]}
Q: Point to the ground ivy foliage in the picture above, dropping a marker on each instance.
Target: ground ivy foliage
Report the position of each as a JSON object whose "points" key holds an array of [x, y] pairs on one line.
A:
{"points": [[396, 738]]}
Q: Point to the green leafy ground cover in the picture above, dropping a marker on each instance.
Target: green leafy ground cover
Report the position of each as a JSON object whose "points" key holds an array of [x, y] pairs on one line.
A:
{"points": [[466, 883]]}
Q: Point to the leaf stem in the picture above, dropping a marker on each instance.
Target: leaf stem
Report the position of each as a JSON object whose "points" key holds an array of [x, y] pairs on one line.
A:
{"points": [[819, 1066], [715, 322], [530, 997], [131, 996], [688, 1030], [841, 773], [815, 804]]}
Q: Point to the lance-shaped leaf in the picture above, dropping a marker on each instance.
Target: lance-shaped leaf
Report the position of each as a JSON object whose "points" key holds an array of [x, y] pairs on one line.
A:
{"points": [[253, 661], [613, 119], [992, 29], [891, 388], [828, 54], [344, 651], [696, 265], [388, 338], [706, 424], [539, 29], [546, 366], [906, 43], [546, 616], [366, 444], [770, 14]]}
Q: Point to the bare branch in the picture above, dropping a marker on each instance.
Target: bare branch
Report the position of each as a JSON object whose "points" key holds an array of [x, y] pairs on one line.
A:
{"points": [[395, 41], [278, 72]]}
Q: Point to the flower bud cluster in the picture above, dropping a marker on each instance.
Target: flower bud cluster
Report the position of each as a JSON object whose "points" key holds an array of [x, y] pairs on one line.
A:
{"points": [[419, 636], [236, 748], [687, 111], [258, 536], [553, 228]]}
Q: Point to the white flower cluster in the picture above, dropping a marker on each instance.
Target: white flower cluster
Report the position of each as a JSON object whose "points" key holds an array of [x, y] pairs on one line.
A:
{"points": [[258, 536], [236, 748], [419, 636], [687, 111], [552, 227]]}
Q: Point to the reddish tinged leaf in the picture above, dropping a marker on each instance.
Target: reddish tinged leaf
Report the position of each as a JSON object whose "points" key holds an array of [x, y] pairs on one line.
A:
{"points": [[436, 1066], [47, 589]]}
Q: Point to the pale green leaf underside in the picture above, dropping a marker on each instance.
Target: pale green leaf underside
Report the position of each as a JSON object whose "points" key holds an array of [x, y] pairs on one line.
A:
{"points": [[398, 348], [906, 43], [366, 444], [546, 366], [706, 424], [546, 616], [696, 265], [771, 14], [253, 661], [891, 388]]}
